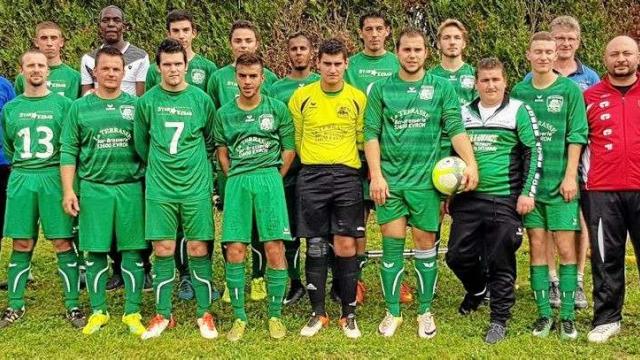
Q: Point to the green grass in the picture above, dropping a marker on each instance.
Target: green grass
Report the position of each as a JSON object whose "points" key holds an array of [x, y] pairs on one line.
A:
{"points": [[43, 332]]}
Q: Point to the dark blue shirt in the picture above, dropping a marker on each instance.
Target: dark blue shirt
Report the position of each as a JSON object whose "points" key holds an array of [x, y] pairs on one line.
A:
{"points": [[584, 76], [6, 94]]}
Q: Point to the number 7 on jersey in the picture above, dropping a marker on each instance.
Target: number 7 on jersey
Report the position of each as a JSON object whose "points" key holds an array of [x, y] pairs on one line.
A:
{"points": [[179, 126]]}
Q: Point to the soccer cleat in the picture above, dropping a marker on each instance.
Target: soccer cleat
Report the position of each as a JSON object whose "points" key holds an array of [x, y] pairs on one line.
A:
{"points": [[349, 326], [601, 333], [360, 292], [389, 325], [542, 326], [315, 324], [185, 288], [237, 330], [10, 316], [134, 322], [148, 282], [470, 303], [96, 321], [207, 326], [296, 292], [157, 325], [225, 296], [568, 330], [115, 282], [258, 289], [495, 333], [406, 294], [581, 298], [426, 326], [277, 330], [554, 294], [77, 318]]}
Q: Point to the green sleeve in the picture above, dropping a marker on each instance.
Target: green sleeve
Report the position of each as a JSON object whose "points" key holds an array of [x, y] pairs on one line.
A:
{"points": [[212, 90], [577, 128], [70, 138], [211, 68], [141, 132], [451, 117], [218, 131], [373, 115], [530, 139], [7, 144], [76, 83], [209, 127], [19, 84], [153, 77], [286, 130]]}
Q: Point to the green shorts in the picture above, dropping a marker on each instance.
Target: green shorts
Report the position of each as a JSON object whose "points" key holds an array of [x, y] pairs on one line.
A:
{"points": [[420, 207], [260, 192], [34, 195], [108, 211], [559, 216], [164, 217]]}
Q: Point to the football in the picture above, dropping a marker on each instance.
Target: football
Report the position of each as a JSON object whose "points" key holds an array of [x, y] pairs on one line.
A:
{"points": [[447, 174]]}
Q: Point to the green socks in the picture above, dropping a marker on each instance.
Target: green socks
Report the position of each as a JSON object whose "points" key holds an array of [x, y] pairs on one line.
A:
{"points": [[426, 265], [164, 268], [568, 283], [276, 287], [17, 275], [540, 287], [235, 284], [133, 277], [68, 269], [97, 274], [201, 273], [391, 272]]}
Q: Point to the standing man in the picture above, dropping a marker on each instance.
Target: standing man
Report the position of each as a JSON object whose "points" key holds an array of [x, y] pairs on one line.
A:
{"points": [[559, 107], [254, 136], [611, 202], [300, 52], [97, 140], [487, 226], [6, 94], [405, 119], [173, 132], [328, 118], [31, 125]]}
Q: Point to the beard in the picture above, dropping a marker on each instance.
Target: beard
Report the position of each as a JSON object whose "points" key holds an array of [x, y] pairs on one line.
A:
{"points": [[412, 72], [629, 72], [300, 67]]}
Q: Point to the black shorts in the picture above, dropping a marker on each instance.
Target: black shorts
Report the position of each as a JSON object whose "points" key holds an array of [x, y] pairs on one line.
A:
{"points": [[329, 201]]}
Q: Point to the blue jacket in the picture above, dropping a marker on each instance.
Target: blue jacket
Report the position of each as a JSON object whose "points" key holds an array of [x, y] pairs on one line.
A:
{"points": [[584, 76], [6, 94]]}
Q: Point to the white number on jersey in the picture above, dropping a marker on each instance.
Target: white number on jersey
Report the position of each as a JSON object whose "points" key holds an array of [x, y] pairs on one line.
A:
{"points": [[179, 126], [45, 140]]}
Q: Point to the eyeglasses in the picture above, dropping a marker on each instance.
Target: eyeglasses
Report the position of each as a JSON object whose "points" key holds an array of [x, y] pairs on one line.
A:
{"points": [[562, 39]]}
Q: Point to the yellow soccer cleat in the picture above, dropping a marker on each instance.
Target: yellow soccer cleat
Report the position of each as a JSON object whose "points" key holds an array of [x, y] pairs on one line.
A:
{"points": [[237, 330], [96, 321], [277, 330], [134, 322]]}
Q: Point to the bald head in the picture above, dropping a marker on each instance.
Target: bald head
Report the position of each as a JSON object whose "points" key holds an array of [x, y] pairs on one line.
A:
{"points": [[621, 59]]}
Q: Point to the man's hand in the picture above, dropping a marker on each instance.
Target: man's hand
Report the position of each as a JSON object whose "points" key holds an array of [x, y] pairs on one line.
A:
{"points": [[470, 178], [525, 205], [569, 188], [379, 190], [70, 203]]}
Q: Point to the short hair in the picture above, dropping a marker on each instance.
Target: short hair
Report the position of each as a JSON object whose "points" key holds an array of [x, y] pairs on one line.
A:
{"points": [[170, 46], [179, 15], [30, 51], [111, 7], [453, 23], [566, 21], [243, 24], [47, 25], [298, 34], [249, 59], [373, 15], [541, 36], [490, 63], [108, 51], [411, 32], [333, 46]]}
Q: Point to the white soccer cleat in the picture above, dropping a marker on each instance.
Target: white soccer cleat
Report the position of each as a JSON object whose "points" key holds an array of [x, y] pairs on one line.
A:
{"points": [[601, 333], [426, 326], [207, 326], [314, 325], [156, 326], [349, 327], [389, 325]]}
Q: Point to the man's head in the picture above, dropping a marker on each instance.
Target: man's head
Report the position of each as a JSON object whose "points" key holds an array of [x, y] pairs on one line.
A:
{"points": [[411, 49], [374, 30], [249, 74], [243, 37], [332, 61], [542, 52], [566, 32], [491, 81], [452, 38], [300, 51], [621, 57], [109, 69], [49, 39], [112, 25], [180, 26], [33, 65], [171, 59]]}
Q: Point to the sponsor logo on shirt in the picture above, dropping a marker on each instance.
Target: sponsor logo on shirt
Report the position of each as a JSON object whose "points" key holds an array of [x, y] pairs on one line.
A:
{"points": [[266, 122], [546, 131], [426, 92], [232, 84], [172, 110], [45, 115], [375, 73], [56, 85], [343, 112], [127, 112], [197, 76], [554, 103]]}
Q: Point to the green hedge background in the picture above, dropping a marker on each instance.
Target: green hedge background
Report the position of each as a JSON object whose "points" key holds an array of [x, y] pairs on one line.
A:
{"points": [[498, 28]]}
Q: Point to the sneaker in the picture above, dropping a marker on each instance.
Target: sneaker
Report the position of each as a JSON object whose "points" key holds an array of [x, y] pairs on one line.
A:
{"points": [[568, 330], [361, 290], [426, 326], [185, 288], [96, 321], [207, 325], [10, 316], [470, 303], [296, 292], [237, 330], [349, 326], [115, 282], [495, 333], [134, 322], [157, 325], [148, 282], [601, 333], [258, 289], [406, 294], [581, 298], [77, 318], [542, 326], [225, 296], [315, 324], [389, 325], [554, 295], [277, 330]]}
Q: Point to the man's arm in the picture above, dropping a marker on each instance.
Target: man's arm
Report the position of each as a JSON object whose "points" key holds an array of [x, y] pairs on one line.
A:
{"points": [[379, 189], [569, 185], [223, 159], [287, 159], [141, 76], [287, 138], [577, 132], [141, 133], [70, 202], [529, 137]]}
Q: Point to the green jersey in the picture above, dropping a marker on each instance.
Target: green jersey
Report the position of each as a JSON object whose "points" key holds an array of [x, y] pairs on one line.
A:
{"points": [[98, 137], [507, 147], [62, 80], [255, 138], [31, 130], [408, 119], [365, 69], [222, 86], [463, 81], [284, 88], [173, 134], [199, 70], [562, 120]]}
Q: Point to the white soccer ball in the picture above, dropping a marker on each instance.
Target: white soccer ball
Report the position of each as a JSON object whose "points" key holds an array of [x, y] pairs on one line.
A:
{"points": [[447, 175]]}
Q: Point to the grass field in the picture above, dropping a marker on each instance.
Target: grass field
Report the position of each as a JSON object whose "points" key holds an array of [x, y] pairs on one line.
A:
{"points": [[43, 332]]}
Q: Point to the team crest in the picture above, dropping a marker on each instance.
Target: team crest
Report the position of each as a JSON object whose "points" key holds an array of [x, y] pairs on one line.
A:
{"points": [[343, 112], [554, 103], [197, 76], [127, 112], [426, 92], [266, 122], [467, 81]]}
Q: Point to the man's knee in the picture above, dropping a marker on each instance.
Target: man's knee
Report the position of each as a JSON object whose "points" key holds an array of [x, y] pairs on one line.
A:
{"points": [[164, 248], [62, 245], [317, 247], [23, 245], [236, 252]]}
